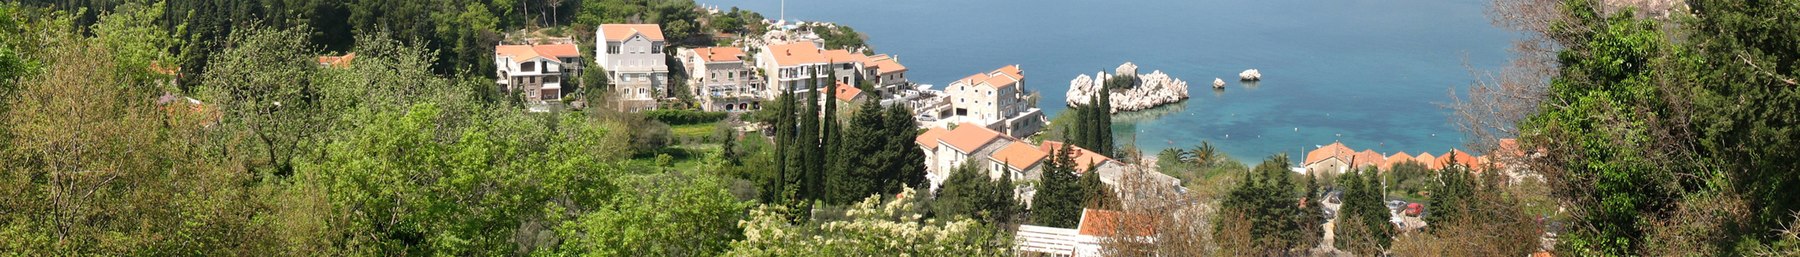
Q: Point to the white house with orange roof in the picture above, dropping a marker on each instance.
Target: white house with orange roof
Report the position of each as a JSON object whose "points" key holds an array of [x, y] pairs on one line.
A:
{"points": [[995, 99], [537, 72], [1333, 158], [633, 57], [965, 143], [849, 94], [887, 73], [720, 80], [797, 68]]}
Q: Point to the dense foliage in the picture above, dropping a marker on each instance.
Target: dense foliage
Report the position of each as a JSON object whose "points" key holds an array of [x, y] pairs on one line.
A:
{"points": [[1265, 206], [683, 117], [1674, 135]]}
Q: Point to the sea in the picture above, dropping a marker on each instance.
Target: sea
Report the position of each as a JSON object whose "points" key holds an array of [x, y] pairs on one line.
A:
{"points": [[1373, 74]]}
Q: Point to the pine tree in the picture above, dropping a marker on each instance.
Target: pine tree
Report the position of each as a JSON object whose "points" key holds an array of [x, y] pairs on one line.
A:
{"points": [[1363, 205], [1095, 193], [1058, 201], [862, 153], [907, 168]]}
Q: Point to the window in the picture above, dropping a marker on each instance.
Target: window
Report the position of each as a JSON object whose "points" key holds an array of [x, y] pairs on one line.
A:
{"points": [[612, 48], [528, 66]]}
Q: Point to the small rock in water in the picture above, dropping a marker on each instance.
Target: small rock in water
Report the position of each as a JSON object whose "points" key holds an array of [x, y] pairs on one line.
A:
{"points": [[1250, 75], [1218, 83]]}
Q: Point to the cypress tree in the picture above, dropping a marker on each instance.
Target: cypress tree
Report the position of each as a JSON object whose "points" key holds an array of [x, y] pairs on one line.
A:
{"points": [[1103, 136], [784, 140], [831, 165], [807, 146], [907, 167]]}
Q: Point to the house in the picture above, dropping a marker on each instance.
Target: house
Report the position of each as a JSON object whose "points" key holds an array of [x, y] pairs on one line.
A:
{"points": [[887, 73], [1086, 238], [995, 99], [536, 71], [848, 94], [720, 80], [1428, 160], [965, 143], [845, 67], [340, 61], [1396, 159], [1017, 159], [1456, 157], [796, 68], [1334, 158], [1367, 159], [632, 55]]}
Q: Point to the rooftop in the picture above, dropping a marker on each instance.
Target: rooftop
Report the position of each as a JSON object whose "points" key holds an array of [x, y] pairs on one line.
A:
{"points": [[1020, 155], [719, 54], [620, 32], [524, 53], [795, 54], [999, 78], [968, 137]]}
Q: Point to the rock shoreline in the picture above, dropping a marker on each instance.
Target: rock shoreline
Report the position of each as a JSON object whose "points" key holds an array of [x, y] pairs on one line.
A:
{"points": [[1151, 90]]}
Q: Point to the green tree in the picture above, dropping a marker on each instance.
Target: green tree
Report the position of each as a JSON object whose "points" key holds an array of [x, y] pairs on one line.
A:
{"points": [[858, 156], [904, 165], [1059, 198], [674, 213], [1266, 200], [264, 86], [971, 193], [1095, 193], [1363, 205]]}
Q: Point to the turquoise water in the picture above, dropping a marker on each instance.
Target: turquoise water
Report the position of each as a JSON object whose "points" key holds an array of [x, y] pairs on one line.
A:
{"points": [[1370, 73]]}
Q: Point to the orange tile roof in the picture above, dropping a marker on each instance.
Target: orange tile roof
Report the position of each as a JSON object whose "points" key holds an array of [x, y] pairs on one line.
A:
{"points": [[719, 54], [1104, 223], [798, 53], [337, 61], [558, 50], [886, 65], [846, 93], [1458, 155], [158, 68], [1369, 158], [620, 32], [1019, 155], [1005, 76], [969, 137], [1396, 159], [523, 53], [1428, 160], [999, 78], [1335, 149], [1509, 147], [1084, 159], [929, 139], [843, 56]]}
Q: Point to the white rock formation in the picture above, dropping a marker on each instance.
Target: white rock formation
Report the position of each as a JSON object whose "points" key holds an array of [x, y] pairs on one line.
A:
{"points": [[1250, 75], [1218, 83], [1154, 89]]}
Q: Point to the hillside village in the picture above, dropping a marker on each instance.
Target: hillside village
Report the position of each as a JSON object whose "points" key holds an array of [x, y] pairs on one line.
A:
{"points": [[669, 128]]}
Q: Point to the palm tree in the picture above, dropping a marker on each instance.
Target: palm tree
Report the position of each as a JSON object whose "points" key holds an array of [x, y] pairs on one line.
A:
{"points": [[1204, 154]]}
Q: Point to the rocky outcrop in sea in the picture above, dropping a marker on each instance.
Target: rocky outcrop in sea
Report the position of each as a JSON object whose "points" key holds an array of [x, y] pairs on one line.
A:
{"points": [[1148, 91]]}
